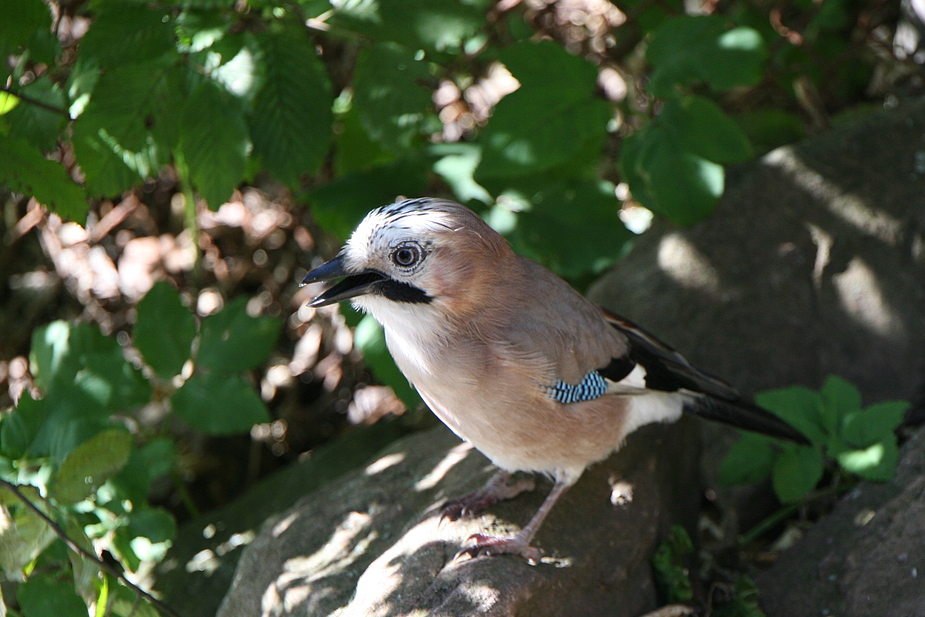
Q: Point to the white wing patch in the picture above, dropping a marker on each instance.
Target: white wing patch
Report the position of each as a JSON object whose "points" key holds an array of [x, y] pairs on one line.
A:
{"points": [[634, 383]]}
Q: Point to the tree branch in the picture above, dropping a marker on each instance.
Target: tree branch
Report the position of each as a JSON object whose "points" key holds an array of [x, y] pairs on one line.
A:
{"points": [[163, 608], [36, 102]]}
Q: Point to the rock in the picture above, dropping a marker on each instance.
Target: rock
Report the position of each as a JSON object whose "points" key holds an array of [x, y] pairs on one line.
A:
{"points": [[813, 263], [373, 544], [200, 566], [866, 558]]}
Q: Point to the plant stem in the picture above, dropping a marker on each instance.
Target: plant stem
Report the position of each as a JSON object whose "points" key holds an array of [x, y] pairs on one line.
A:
{"points": [[163, 608]]}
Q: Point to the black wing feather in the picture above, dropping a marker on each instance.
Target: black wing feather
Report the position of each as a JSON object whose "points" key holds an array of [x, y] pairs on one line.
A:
{"points": [[669, 371]]}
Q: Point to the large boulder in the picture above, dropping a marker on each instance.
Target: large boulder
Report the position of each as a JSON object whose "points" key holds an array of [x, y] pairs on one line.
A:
{"points": [[814, 263], [373, 543]]}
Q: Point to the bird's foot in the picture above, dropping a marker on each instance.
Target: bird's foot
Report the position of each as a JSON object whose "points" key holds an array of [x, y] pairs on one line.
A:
{"points": [[497, 489], [488, 546]]}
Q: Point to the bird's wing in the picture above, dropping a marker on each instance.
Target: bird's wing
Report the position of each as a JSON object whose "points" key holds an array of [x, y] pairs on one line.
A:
{"points": [[667, 370]]}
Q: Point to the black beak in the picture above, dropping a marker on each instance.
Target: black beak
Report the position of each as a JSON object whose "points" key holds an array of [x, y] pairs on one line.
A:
{"points": [[355, 284]]}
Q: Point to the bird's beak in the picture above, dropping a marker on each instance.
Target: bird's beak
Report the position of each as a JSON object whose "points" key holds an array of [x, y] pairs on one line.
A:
{"points": [[355, 283]]}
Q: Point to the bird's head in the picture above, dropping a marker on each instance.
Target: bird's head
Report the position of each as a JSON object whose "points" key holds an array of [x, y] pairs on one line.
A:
{"points": [[415, 253]]}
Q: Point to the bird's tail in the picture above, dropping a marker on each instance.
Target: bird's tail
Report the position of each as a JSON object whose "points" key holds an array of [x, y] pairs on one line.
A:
{"points": [[744, 415]]}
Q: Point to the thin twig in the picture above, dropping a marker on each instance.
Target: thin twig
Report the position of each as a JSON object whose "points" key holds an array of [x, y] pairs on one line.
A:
{"points": [[32, 101], [163, 608]]}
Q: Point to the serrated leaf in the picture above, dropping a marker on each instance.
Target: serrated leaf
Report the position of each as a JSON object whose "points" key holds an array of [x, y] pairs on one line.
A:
{"points": [[370, 339], [430, 24], [90, 464], [798, 406], [291, 116], [839, 399], [688, 49], [233, 341], [127, 33], [749, 460], [24, 534], [868, 426], [130, 118], [705, 130], [25, 170], [796, 472], [391, 94], [667, 178], [550, 119], [876, 462], [214, 142], [164, 330], [219, 404]]}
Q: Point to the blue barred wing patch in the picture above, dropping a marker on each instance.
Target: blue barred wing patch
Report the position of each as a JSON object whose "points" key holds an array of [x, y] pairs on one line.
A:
{"points": [[591, 387]]}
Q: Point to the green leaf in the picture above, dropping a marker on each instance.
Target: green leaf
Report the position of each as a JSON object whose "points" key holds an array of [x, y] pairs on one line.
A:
{"points": [[431, 24], [144, 465], [797, 470], [156, 524], [798, 406], [214, 142], [45, 595], [705, 130], [688, 49], [233, 341], [876, 462], [219, 404], [125, 33], [21, 20], [839, 399], [571, 226], [749, 460], [342, 203], [370, 339], [19, 429], [24, 534], [291, 117], [873, 424], [391, 94], [25, 170], [90, 464], [667, 178], [164, 330], [39, 126], [553, 117]]}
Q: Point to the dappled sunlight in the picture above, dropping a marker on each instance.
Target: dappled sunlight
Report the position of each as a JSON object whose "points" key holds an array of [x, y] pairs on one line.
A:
{"points": [[686, 265], [296, 584], [850, 208], [862, 297], [452, 458], [384, 463]]}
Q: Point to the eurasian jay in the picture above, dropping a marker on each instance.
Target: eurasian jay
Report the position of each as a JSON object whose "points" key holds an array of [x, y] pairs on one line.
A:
{"points": [[511, 358]]}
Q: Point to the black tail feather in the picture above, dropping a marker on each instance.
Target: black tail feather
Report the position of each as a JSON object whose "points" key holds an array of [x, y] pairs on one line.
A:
{"points": [[744, 415]]}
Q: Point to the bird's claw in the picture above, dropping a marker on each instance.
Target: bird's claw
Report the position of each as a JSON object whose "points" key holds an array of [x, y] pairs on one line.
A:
{"points": [[489, 546], [465, 506]]}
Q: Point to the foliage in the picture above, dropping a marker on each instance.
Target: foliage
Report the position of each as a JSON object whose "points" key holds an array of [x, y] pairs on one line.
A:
{"points": [[349, 104], [87, 461], [669, 565], [860, 441]]}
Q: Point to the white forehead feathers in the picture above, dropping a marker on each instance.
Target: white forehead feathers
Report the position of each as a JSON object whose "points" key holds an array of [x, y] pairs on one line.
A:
{"points": [[386, 226]]}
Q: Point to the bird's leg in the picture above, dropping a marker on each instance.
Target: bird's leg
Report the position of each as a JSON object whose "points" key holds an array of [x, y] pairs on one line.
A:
{"points": [[495, 490], [519, 544]]}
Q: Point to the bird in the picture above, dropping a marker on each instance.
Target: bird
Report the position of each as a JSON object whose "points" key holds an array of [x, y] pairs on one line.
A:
{"points": [[511, 358]]}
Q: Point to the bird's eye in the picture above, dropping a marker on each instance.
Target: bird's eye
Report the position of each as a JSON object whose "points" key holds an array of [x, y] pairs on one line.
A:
{"points": [[406, 256]]}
